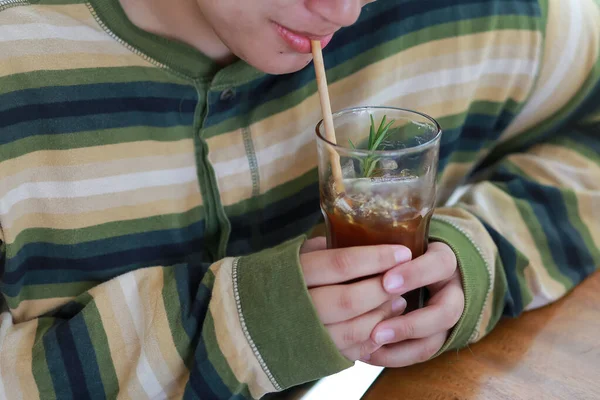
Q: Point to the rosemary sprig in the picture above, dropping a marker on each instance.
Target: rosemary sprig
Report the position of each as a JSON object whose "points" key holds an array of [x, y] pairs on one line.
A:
{"points": [[376, 138]]}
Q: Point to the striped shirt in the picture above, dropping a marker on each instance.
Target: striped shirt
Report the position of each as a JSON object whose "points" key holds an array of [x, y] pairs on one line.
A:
{"points": [[152, 204]]}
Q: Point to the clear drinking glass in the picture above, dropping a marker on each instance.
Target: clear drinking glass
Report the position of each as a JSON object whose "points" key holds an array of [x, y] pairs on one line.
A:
{"points": [[379, 193]]}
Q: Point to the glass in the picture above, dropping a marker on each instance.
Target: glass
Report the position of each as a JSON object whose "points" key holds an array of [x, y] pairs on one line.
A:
{"points": [[384, 196]]}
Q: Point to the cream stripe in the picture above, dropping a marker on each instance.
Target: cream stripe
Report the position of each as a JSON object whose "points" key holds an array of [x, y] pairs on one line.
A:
{"points": [[565, 155], [16, 358], [229, 148], [128, 213], [450, 180], [589, 210], [119, 346], [69, 61], [7, 379], [46, 47], [82, 205], [97, 154], [98, 186], [24, 359], [565, 66], [144, 371], [16, 344], [230, 336], [61, 15], [151, 282], [129, 354], [30, 309], [40, 31], [461, 75], [556, 173], [97, 169]]}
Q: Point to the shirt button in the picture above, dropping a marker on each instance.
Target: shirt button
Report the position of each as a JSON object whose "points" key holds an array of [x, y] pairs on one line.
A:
{"points": [[227, 94]]}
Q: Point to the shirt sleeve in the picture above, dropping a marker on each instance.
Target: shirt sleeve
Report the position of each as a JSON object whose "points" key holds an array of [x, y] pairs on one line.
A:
{"points": [[238, 328], [526, 231]]}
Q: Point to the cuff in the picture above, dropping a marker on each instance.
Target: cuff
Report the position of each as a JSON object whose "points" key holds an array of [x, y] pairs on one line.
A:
{"points": [[280, 321], [475, 278]]}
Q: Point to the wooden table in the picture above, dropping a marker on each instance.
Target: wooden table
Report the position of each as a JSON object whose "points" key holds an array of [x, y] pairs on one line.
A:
{"points": [[551, 353]]}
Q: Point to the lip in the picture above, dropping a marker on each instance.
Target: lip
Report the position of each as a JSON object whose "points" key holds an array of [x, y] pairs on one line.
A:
{"points": [[300, 41]]}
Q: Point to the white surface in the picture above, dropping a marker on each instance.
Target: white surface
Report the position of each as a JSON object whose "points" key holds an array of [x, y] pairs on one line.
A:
{"points": [[350, 384]]}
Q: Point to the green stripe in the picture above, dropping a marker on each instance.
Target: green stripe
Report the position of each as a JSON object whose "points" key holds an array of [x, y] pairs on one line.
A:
{"points": [[217, 359], [276, 194], [49, 291], [58, 2], [391, 48], [69, 141], [462, 157], [173, 310], [41, 372], [104, 231], [522, 262], [582, 149], [572, 203], [99, 340], [82, 76], [499, 290]]}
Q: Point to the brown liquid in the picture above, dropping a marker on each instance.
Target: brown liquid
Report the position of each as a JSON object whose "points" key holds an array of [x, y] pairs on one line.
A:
{"points": [[408, 228]]}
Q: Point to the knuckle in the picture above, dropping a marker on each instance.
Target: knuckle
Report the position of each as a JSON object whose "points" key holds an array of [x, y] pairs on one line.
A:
{"points": [[451, 317], [457, 311], [427, 351], [346, 302], [349, 337], [342, 263], [368, 347], [447, 260], [381, 314], [406, 330], [384, 256]]}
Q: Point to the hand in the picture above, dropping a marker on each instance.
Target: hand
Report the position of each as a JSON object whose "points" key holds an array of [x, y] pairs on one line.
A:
{"points": [[350, 310], [419, 335]]}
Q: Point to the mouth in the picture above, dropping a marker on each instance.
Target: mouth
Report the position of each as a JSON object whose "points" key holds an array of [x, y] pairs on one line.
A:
{"points": [[300, 41]]}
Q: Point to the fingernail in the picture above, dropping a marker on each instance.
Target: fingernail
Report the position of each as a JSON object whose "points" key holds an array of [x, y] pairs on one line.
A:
{"points": [[384, 336], [366, 358], [402, 254], [393, 282], [398, 304]]}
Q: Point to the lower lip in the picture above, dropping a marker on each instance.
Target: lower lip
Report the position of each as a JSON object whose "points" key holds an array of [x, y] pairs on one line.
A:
{"points": [[299, 43]]}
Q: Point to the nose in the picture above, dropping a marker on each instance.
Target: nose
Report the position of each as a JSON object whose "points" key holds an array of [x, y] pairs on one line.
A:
{"points": [[337, 12]]}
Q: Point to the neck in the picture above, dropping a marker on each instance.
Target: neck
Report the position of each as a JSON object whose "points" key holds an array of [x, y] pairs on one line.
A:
{"points": [[183, 22]]}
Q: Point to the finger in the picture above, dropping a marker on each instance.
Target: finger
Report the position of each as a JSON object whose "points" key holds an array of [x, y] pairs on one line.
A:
{"points": [[361, 351], [358, 330], [409, 352], [437, 264], [316, 244], [339, 303], [455, 279], [327, 267], [431, 320]]}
